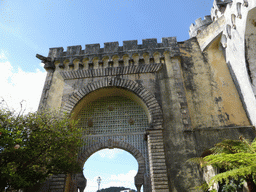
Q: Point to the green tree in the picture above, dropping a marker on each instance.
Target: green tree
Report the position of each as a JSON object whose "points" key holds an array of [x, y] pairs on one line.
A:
{"points": [[35, 146], [237, 158]]}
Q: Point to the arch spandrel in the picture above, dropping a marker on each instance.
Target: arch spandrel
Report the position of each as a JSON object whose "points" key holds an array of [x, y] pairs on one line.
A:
{"points": [[137, 93]]}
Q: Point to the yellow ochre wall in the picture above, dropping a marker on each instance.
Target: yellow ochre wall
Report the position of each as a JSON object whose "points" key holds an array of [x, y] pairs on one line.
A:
{"points": [[212, 97]]}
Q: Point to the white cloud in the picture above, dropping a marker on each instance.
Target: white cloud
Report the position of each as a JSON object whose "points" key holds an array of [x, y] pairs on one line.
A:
{"points": [[120, 180], [3, 55], [20, 86], [109, 153], [123, 177]]}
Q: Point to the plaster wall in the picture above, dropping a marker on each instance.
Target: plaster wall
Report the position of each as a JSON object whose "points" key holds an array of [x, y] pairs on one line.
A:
{"points": [[237, 37]]}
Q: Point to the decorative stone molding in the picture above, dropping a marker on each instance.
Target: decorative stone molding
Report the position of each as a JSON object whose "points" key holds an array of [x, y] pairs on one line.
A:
{"points": [[111, 71], [150, 101]]}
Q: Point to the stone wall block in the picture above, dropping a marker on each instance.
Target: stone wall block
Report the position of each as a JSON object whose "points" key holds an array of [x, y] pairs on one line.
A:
{"points": [[106, 71], [78, 73], [148, 97], [117, 70], [74, 50], [90, 88], [169, 41], [99, 72], [121, 71], [129, 84], [102, 72], [118, 82], [94, 74], [147, 68], [96, 85], [55, 52], [130, 68], [68, 74], [115, 82], [63, 74], [134, 69], [138, 68], [138, 89], [76, 95], [105, 82], [122, 81], [89, 72], [72, 102], [92, 48], [84, 72], [75, 74], [65, 110], [111, 47], [101, 84], [126, 68], [130, 45], [114, 71], [155, 67], [85, 90], [80, 94], [71, 75], [149, 43], [143, 92]]}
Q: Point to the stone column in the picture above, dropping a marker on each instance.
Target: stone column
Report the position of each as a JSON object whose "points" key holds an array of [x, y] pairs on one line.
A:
{"points": [[57, 183], [158, 170]]}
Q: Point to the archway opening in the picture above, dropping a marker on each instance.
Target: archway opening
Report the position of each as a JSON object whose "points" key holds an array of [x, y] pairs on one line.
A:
{"points": [[113, 118], [115, 167]]}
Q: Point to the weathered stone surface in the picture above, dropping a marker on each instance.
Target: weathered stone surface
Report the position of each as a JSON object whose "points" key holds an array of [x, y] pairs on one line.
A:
{"points": [[195, 93]]}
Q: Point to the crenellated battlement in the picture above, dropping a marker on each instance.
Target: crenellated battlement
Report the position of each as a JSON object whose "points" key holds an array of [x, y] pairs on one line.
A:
{"points": [[113, 47], [199, 25], [112, 55]]}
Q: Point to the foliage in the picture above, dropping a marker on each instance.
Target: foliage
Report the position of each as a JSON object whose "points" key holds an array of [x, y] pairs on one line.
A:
{"points": [[35, 146], [236, 157]]}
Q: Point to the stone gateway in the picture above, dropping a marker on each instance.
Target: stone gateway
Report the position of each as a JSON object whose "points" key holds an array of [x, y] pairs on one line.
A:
{"points": [[164, 103]]}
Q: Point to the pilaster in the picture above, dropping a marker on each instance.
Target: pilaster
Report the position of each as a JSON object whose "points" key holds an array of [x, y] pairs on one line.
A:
{"points": [[158, 170]]}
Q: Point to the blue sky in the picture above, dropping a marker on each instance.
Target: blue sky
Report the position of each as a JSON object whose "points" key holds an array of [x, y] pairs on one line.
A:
{"points": [[29, 27]]}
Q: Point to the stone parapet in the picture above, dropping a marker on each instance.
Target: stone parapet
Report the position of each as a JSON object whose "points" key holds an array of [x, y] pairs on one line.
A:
{"points": [[199, 25], [93, 56], [113, 47]]}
